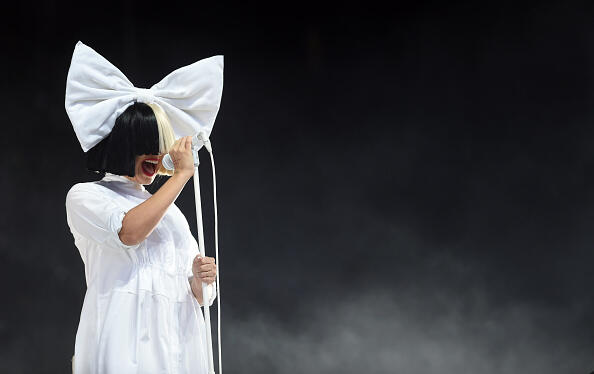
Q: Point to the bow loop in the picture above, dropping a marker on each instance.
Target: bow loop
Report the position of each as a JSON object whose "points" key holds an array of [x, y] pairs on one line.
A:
{"points": [[97, 92]]}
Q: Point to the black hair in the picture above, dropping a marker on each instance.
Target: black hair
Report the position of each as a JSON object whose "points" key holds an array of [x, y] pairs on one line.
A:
{"points": [[135, 133]]}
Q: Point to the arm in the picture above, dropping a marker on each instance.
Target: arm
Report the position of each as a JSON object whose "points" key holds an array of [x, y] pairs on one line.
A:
{"points": [[141, 220], [204, 270], [196, 290], [196, 285]]}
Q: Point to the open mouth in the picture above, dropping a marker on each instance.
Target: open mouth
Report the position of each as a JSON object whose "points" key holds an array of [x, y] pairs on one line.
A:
{"points": [[149, 167]]}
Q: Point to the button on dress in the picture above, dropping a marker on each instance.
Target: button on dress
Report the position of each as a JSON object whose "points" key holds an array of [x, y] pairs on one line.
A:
{"points": [[139, 314]]}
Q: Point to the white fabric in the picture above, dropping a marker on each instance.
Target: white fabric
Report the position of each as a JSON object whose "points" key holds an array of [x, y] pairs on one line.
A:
{"points": [[139, 314], [97, 93]]}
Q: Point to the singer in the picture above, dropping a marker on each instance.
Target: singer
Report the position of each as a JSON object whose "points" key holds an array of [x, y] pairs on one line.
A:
{"points": [[140, 313]]}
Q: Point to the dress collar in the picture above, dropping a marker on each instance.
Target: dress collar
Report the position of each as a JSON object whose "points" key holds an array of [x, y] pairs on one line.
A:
{"points": [[109, 177]]}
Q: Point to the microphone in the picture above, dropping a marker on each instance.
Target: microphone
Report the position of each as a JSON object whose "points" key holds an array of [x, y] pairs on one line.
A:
{"points": [[197, 141]]}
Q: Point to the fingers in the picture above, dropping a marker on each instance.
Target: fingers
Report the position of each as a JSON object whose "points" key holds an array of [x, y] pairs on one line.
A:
{"points": [[173, 150], [205, 268], [209, 268], [199, 259], [206, 260], [177, 143], [207, 277], [208, 280], [181, 155], [182, 144]]}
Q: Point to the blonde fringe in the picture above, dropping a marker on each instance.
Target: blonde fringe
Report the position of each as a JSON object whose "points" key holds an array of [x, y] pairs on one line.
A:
{"points": [[166, 135]]}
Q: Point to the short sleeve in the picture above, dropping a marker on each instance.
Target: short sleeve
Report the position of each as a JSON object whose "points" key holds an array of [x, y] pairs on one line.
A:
{"points": [[95, 216], [211, 288]]}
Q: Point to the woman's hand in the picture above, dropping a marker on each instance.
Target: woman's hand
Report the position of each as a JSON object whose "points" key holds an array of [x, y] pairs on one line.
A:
{"points": [[181, 155], [204, 269]]}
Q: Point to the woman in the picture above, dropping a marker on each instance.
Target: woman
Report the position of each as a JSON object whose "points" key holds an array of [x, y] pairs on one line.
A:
{"points": [[141, 312]]}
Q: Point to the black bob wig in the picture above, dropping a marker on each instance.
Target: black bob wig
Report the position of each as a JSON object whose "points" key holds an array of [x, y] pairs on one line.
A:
{"points": [[142, 129]]}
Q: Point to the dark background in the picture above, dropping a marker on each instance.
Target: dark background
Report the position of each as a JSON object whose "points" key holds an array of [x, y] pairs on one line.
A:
{"points": [[404, 190]]}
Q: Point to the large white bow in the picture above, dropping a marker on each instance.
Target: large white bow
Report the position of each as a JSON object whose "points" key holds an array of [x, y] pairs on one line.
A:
{"points": [[97, 93]]}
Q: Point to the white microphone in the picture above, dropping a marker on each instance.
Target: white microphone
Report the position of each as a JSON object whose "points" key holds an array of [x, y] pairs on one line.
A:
{"points": [[197, 141]]}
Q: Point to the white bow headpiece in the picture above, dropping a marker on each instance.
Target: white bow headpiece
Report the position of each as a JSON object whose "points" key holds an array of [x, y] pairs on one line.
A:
{"points": [[97, 93]]}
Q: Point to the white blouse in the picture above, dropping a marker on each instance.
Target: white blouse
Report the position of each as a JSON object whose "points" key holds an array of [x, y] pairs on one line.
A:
{"points": [[139, 314]]}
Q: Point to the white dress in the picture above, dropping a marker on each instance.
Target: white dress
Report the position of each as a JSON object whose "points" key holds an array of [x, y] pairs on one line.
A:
{"points": [[139, 314]]}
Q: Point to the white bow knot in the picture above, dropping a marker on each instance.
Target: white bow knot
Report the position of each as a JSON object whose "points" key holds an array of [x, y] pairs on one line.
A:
{"points": [[97, 93], [145, 95]]}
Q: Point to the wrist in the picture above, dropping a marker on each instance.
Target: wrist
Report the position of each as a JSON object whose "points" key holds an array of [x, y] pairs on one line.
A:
{"points": [[196, 287], [183, 175]]}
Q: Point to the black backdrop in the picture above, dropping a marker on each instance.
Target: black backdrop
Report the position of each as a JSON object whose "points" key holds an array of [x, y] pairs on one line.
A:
{"points": [[403, 190]]}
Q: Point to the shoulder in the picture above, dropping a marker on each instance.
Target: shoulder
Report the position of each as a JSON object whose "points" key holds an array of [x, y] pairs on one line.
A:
{"points": [[85, 187], [85, 191]]}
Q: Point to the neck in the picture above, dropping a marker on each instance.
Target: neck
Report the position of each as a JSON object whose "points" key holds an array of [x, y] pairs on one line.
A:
{"points": [[130, 178]]}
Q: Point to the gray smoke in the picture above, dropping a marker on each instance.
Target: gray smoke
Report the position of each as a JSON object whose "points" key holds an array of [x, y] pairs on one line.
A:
{"points": [[378, 330]]}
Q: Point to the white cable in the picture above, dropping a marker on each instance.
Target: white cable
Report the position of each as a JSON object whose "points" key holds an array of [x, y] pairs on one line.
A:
{"points": [[168, 164], [214, 189], [208, 147]]}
